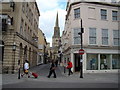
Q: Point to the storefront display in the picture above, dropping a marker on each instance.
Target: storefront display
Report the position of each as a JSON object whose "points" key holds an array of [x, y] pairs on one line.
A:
{"points": [[115, 61], [104, 61], [92, 61]]}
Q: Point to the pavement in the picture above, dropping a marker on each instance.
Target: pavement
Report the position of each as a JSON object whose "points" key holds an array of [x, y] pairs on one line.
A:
{"points": [[43, 70]]}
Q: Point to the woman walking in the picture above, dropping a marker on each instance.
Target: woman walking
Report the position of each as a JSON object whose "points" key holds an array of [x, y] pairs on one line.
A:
{"points": [[26, 69]]}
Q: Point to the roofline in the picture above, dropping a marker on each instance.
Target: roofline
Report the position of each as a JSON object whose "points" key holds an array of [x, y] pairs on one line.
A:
{"points": [[99, 3], [37, 8]]}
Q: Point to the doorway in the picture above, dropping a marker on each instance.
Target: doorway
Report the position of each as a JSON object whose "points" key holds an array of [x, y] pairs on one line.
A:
{"points": [[77, 62]]}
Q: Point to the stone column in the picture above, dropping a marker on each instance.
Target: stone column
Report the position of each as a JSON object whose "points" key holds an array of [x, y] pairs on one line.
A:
{"points": [[98, 61], [72, 60], [84, 61], [110, 61]]}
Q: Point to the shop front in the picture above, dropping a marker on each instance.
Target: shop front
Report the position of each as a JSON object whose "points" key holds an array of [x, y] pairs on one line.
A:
{"points": [[97, 61]]}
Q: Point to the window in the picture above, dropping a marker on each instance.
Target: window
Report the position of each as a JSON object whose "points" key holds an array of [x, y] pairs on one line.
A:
{"points": [[105, 61], [114, 15], [116, 40], [104, 36], [25, 29], [77, 13], [27, 10], [92, 62], [23, 7], [116, 61], [113, 1], [21, 27], [77, 39], [103, 14], [4, 19], [92, 35]]}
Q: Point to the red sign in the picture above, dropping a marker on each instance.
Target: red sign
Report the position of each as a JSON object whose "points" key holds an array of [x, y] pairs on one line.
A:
{"points": [[81, 51]]}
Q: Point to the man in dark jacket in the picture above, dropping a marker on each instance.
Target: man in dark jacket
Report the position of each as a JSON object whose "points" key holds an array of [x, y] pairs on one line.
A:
{"points": [[52, 70], [56, 62]]}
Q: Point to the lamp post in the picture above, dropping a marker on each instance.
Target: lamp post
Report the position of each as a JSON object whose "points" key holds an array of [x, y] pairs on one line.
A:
{"points": [[18, 69], [14, 49], [81, 58]]}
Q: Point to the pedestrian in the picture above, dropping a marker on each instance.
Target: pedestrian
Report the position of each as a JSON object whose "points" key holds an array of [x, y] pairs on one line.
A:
{"points": [[26, 69], [69, 68], [52, 69], [56, 62]]}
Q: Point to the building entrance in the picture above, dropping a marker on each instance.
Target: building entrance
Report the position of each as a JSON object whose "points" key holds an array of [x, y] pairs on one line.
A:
{"points": [[77, 62]]}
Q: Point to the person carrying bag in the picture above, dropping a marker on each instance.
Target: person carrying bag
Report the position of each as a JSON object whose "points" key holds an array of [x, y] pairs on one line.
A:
{"points": [[69, 68]]}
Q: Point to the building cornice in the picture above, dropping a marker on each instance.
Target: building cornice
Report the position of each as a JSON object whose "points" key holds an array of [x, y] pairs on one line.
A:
{"points": [[19, 35], [90, 47], [97, 3]]}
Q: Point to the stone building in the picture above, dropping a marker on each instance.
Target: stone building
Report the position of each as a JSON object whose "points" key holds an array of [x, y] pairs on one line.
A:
{"points": [[56, 40], [100, 38], [19, 34], [42, 47]]}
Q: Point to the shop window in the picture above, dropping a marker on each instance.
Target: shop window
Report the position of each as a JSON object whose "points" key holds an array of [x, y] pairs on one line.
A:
{"points": [[104, 62], [92, 62], [115, 61]]}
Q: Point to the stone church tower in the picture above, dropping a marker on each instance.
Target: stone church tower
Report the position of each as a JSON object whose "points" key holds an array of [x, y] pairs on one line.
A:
{"points": [[56, 38]]}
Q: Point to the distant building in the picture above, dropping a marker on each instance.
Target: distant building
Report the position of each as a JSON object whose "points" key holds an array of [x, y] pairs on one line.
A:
{"points": [[100, 37], [42, 48], [56, 40], [19, 34]]}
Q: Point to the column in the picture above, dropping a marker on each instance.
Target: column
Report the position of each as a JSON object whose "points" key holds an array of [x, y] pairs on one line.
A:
{"points": [[110, 61], [84, 61], [98, 61], [72, 60]]}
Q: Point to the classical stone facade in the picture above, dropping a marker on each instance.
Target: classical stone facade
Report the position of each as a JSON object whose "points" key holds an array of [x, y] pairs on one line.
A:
{"points": [[19, 34]]}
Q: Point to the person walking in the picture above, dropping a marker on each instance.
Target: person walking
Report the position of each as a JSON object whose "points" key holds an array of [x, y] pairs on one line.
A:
{"points": [[56, 62], [26, 69], [52, 70], [69, 68]]}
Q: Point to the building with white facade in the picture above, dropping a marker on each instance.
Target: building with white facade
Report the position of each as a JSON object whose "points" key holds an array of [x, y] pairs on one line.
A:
{"points": [[100, 37]]}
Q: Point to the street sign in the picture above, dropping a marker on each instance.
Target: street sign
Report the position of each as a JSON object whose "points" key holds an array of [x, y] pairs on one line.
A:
{"points": [[81, 51]]}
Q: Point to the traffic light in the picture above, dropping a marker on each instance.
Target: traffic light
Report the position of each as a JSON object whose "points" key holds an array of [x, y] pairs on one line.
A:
{"points": [[82, 30]]}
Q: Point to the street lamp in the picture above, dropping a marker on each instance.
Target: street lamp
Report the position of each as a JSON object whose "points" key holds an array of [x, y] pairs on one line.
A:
{"points": [[14, 46], [14, 49], [18, 69], [81, 58]]}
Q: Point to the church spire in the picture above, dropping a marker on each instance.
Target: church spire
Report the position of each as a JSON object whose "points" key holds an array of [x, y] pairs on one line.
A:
{"points": [[56, 28], [56, 23]]}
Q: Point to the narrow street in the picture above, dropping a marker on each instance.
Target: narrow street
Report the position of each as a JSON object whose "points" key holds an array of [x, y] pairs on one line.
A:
{"points": [[98, 80]]}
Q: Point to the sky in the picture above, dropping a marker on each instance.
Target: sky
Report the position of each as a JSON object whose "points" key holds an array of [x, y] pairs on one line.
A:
{"points": [[48, 11]]}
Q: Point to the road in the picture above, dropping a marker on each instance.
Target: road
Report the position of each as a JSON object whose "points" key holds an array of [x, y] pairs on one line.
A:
{"points": [[100, 80]]}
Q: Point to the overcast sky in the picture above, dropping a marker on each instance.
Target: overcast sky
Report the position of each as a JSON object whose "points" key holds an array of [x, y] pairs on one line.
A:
{"points": [[48, 11]]}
